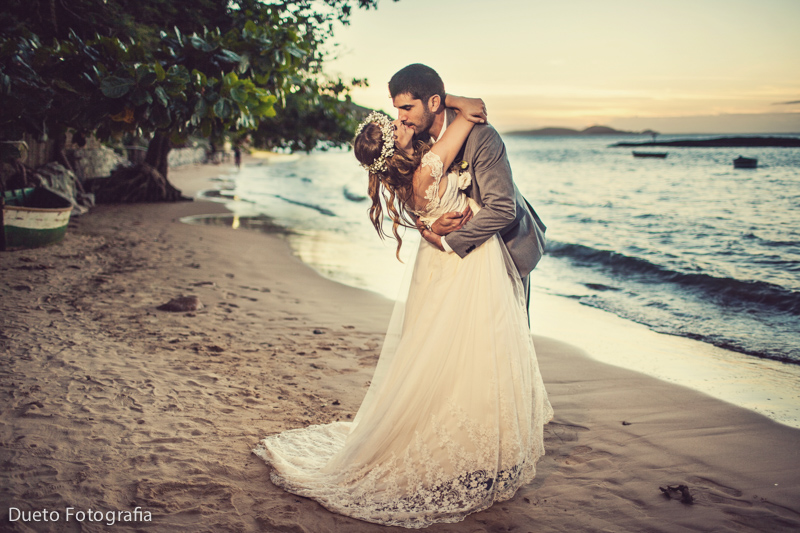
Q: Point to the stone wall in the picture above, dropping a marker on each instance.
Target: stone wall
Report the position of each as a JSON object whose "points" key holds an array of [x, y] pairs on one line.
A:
{"points": [[97, 162], [186, 156], [93, 160]]}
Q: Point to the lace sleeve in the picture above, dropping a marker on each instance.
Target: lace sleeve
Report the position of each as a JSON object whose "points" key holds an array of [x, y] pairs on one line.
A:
{"points": [[434, 162]]}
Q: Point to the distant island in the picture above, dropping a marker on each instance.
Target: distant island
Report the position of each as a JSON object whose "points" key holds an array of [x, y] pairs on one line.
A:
{"points": [[592, 130], [724, 142]]}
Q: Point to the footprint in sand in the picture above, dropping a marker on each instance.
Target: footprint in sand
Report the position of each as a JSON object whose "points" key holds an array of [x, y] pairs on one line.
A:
{"points": [[710, 491], [697, 480], [580, 455], [560, 432]]}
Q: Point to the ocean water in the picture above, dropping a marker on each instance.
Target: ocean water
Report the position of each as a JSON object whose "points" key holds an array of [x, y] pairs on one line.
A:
{"points": [[685, 245]]}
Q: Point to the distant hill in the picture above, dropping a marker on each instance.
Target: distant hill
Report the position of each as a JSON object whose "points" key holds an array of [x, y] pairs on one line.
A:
{"points": [[592, 130], [726, 142]]}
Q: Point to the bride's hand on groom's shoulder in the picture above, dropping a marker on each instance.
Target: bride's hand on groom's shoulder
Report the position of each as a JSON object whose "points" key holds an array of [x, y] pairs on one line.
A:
{"points": [[475, 111]]}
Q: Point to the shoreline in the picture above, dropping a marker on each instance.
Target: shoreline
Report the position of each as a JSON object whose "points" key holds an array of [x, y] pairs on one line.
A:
{"points": [[111, 404], [762, 385]]}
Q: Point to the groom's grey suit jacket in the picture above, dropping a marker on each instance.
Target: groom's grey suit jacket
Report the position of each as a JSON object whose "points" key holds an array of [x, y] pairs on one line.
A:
{"points": [[503, 208]]}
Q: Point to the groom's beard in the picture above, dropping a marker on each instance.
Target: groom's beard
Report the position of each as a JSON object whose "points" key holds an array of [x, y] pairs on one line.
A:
{"points": [[424, 133]]}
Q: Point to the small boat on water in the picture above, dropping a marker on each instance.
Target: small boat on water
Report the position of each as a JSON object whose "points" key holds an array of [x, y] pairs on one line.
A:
{"points": [[745, 162], [32, 217], [657, 155]]}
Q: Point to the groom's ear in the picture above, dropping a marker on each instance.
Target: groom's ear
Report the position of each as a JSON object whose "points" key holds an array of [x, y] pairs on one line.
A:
{"points": [[434, 102]]}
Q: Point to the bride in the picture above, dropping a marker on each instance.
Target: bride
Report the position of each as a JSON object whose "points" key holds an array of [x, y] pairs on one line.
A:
{"points": [[452, 421]]}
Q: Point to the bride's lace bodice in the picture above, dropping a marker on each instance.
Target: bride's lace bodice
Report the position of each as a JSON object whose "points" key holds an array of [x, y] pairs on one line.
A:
{"points": [[452, 198]]}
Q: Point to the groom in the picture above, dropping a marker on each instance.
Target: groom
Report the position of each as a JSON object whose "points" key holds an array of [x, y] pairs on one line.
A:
{"points": [[417, 92]]}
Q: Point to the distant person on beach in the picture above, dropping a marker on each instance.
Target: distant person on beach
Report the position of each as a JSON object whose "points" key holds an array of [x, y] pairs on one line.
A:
{"points": [[453, 419], [237, 156]]}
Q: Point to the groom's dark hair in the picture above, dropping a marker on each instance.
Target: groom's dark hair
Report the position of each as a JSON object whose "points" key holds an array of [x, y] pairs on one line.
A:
{"points": [[418, 80]]}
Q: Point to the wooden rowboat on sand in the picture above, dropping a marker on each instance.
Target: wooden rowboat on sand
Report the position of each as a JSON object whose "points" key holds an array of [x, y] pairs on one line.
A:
{"points": [[32, 217]]}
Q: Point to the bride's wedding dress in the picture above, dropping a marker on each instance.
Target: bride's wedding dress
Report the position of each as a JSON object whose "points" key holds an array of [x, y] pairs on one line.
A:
{"points": [[452, 421]]}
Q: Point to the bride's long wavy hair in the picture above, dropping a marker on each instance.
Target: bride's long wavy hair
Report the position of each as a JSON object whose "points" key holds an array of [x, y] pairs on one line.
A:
{"points": [[393, 186]]}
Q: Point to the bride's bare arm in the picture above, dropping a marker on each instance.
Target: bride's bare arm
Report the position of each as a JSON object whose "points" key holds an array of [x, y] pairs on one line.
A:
{"points": [[470, 111], [453, 139]]}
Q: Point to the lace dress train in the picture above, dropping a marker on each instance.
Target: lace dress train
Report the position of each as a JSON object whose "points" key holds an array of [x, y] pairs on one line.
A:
{"points": [[452, 421]]}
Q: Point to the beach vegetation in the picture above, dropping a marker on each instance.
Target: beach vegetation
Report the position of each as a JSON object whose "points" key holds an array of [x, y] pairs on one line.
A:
{"points": [[159, 72]]}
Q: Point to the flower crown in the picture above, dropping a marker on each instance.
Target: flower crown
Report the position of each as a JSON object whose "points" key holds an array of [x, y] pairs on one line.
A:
{"points": [[387, 151]]}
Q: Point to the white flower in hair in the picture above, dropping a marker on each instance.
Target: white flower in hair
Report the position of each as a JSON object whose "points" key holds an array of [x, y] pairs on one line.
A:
{"points": [[387, 129]]}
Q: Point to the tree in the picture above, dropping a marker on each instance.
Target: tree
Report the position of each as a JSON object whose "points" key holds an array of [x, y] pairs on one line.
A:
{"points": [[110, 76], [315, 115]]}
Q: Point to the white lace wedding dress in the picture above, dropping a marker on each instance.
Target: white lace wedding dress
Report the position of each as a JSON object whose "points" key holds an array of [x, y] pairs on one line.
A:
{"points": [[452, 421]]}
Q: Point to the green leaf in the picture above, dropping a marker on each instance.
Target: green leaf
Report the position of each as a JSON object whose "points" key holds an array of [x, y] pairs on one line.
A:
{"points": [[211, 96], [162, 96], [200, 108], [223, 108], [178, 75], [139, 71], [115, 87], [230, 79], [265, 97], [199, 79], [149, 78], [244, 64], [162, 117], [240, 94], [295, 51], [249, 29], [197, 42], [141, 97], [230, 57], [160, 74], [265, 110], [61, 84]]}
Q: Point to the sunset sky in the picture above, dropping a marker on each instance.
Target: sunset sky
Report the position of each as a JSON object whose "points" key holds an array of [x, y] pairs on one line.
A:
{"points": [[676, 66]]}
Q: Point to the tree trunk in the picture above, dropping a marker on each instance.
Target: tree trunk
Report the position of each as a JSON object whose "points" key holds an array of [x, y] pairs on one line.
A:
{"points": [[158, 152], [53, 18], [61, 152]]}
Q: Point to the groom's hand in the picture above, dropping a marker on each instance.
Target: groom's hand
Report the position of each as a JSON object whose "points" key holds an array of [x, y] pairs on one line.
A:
{"points": [[450, 222]]}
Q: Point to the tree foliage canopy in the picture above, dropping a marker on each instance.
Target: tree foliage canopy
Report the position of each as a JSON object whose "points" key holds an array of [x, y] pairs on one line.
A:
{"points": [[173, 68]]}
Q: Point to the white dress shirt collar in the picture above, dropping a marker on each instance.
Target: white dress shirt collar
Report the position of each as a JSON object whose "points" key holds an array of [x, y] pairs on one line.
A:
{"points": [[444, 127]]}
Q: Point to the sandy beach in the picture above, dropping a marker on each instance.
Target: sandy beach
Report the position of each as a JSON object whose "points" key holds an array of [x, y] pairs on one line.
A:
{"points": [[110, 404]]}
